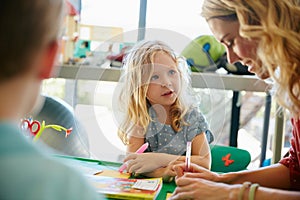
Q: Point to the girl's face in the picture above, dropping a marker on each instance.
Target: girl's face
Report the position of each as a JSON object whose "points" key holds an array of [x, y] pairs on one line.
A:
{"points": [[164, 82], [238, 48]]}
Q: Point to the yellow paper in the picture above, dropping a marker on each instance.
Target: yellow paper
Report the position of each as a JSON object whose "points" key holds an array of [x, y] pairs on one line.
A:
{"points": [[168, 196], [112, 173]]}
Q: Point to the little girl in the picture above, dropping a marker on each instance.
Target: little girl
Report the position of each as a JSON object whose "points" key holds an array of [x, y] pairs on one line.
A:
{"points": [[160, 110]]}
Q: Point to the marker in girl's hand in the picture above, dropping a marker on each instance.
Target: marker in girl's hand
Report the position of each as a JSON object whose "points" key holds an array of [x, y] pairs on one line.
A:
{"points": [[140, 150], [188, 156]]}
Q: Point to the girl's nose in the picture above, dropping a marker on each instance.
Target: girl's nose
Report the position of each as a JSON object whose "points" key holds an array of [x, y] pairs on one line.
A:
{"points": [[166, 83], [165, 80]]}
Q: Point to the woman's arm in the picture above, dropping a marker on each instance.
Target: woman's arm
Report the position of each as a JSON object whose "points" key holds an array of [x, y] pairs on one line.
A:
{"points": [[275, 176], [266, 193], [193, 188]]}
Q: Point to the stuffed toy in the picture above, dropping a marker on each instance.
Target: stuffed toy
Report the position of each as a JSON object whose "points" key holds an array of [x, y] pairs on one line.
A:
{"points": [[206, 54]]}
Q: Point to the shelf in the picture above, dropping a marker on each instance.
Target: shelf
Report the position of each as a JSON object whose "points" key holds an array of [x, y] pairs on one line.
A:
{"points": [[199, 80]]}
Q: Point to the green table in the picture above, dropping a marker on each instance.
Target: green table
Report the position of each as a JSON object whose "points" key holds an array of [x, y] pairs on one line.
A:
{"points": [[84, 164]]}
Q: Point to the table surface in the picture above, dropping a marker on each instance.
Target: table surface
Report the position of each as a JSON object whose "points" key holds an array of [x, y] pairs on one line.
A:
{"points": [[83, 163]]}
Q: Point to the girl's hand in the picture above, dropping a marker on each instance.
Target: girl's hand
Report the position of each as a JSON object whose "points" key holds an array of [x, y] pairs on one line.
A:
{"points": [[196, 171], [197, 188], [144, 162], [169, 172]]}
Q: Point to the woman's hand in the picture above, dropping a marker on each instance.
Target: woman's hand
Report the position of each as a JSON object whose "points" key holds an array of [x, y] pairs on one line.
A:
{"points": [[200, 183], [197, 188], [196, 171]]}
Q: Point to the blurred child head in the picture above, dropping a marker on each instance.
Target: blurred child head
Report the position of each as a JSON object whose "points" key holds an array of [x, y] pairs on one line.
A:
{"points": [[29, 46], [27, 27]]}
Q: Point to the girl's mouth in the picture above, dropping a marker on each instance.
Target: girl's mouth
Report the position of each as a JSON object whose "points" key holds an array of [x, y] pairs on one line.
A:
{"points": [[167, 93]]}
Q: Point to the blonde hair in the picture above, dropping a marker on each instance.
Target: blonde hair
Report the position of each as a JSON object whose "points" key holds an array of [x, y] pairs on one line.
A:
{"points": [[38, 23], [138, 70], [276, 25]]}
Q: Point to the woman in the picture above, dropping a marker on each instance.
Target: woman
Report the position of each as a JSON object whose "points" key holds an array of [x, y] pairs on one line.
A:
{"points": [[265, 36]]}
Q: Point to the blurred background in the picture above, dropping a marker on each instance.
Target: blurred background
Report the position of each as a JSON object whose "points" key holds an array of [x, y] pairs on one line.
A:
{"points": [[98, 33]]}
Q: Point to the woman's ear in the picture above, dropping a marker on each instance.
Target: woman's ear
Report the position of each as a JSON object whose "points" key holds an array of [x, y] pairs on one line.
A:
{"points": [[49, 59]]}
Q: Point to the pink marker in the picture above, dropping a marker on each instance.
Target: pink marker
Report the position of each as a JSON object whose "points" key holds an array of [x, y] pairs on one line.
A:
{"points": [[140, 150], [188, 156]]}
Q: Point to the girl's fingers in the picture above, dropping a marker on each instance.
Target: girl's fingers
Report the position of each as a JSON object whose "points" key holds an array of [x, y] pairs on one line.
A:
{"points": [[132, 166], [178, 170], [130, 157]]}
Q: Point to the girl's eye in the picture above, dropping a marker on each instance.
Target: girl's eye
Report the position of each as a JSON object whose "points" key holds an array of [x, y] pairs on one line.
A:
{"points": [[153, 78], [172, 72]]}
